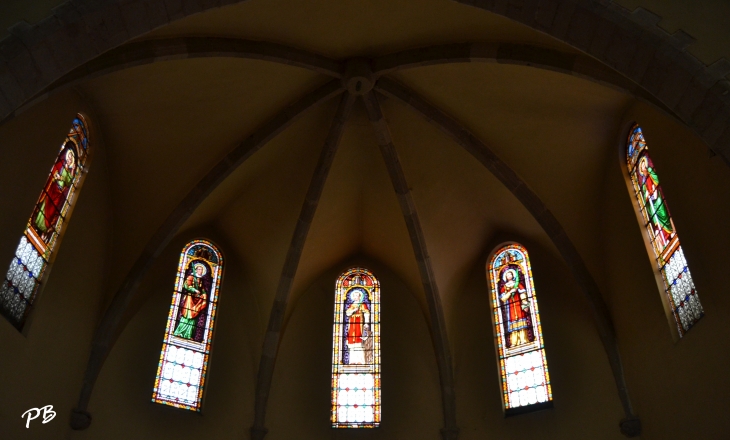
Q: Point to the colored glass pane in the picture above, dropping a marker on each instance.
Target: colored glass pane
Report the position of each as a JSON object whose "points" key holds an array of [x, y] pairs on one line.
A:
{"points": [[679, 288], [39, 240], [356, 351], [522, 364], [186, 347]]}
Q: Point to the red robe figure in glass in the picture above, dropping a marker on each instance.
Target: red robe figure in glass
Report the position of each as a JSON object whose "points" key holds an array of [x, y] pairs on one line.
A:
{"points": [[357, 317], [515, 307], [55, 193]]}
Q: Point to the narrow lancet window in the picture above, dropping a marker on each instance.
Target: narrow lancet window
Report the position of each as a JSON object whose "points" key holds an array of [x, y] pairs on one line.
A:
{"points": [[680, 294], [356, 351], [186, 347], [40, 239], [523, 367]]}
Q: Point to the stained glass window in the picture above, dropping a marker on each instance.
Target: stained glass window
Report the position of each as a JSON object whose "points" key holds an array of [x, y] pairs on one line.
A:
{"points": [[356, 351], [186, 347], [522, 364], [35, 250], [680, 291]]}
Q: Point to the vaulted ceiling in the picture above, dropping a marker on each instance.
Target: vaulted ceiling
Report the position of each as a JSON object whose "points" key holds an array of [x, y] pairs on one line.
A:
{"points": [[169, 122], [164, 124]]}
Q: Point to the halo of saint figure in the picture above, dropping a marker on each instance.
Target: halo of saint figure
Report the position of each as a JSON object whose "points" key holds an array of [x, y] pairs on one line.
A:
{"points": [[678, 283], [194, 303], [18, 290], [356, 350], [195, 296], [649, 192], [356, 317], [357, 333], [514, 299], [186, 346], [47, 217], [522, 362], [55, 193], [515, 306]]}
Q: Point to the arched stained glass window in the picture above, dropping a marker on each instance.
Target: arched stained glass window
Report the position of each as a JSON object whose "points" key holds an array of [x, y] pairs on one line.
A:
{"points": [[39, 240], [680, 293], [356, 351], [186, 347], [522, 364]]}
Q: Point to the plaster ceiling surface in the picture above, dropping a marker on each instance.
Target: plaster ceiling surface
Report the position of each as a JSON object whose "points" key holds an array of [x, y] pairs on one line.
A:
{"points": [[345, 29], [359, 214], [260, 220], [461, 205], [707, 22], [166, 124], [554, 130]]}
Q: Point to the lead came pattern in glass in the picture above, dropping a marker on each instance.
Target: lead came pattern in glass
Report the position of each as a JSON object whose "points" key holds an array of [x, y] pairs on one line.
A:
{"points": [[678, 284], [523, 366], [21, 279], [185, 351], [526, 379], [356, 386], [355, 398], [181, 373], [682, 290], [38, 242]]}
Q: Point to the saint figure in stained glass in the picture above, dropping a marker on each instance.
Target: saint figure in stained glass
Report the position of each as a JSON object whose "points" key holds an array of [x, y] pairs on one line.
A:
{"points": [[196, 289], [189, 332], [358, 346], [42, 232], [681, 295], [516, 307], [651, 193], [524, 377], [48, 209], [356, 351]]}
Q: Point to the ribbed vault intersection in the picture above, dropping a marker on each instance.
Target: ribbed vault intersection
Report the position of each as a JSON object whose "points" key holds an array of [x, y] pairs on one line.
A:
{"points": [[354, 78], [413, 136]]}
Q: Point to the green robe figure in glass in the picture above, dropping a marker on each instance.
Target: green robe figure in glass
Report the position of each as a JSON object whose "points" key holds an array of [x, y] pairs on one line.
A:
{"points": [[656, 207], [195, 301]]}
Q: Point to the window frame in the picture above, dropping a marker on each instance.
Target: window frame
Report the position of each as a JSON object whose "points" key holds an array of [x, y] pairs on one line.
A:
{"points": [[24, 325], [538, 345], [206, 344], [651, 254], [338, 367]]}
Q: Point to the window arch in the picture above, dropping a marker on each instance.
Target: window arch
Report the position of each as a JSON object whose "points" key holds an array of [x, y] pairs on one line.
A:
{"points": [[524, 377], [189, 331], [41, 236], [680, 297], [356, 351]]}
